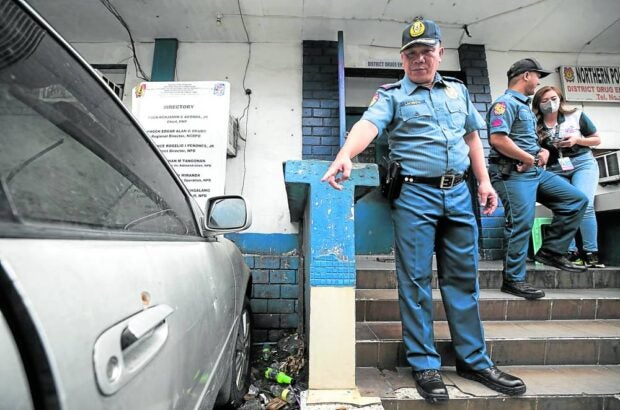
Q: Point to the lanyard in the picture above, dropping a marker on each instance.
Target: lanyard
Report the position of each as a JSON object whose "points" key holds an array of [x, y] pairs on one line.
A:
{"points": [[556, 138]]}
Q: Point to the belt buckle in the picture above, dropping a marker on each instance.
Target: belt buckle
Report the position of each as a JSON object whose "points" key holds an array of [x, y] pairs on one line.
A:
{"points": [[447, 181]]}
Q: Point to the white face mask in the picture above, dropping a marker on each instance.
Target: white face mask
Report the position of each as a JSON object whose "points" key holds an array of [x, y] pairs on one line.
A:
{"points": [[550, 106]]}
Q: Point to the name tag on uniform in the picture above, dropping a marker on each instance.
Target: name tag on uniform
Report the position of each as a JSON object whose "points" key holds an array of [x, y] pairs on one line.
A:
{"points": [[412, 102], [566, 164]]}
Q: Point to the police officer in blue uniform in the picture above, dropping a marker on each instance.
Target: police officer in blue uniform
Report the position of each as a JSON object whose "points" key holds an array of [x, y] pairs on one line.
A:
{"points": [[432, 129], [516, 168]]}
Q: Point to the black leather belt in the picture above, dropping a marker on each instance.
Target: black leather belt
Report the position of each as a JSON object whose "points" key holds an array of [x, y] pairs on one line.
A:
{"points": [[443, 182], [501, 161], [576, 155]]}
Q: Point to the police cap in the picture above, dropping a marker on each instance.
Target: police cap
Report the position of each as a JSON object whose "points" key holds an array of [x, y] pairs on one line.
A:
{"points": [[527, 64], [421, 32]]}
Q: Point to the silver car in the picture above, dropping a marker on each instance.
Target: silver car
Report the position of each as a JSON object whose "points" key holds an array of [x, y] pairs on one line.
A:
{"points": [[116, 290]]}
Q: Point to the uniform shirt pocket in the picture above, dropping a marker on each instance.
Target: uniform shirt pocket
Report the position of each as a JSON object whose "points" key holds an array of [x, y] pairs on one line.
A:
{"points": [[526, 115], [458, 112], [414, 110], [527, 121]]}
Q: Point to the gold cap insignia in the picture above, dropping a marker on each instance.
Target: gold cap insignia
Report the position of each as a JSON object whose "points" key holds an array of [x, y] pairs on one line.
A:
{"points": [[417, 29]]}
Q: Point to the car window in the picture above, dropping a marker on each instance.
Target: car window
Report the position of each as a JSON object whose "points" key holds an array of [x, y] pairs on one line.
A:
{"points": [[69, 154]]}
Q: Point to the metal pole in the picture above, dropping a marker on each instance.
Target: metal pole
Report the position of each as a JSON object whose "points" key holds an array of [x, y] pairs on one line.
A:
{"points": [[341, 96]]}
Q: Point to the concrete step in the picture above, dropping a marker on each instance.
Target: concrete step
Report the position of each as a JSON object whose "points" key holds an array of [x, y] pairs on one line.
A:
{"points": [[559, 304], [548, 387], [372, 274], [549, 342]]}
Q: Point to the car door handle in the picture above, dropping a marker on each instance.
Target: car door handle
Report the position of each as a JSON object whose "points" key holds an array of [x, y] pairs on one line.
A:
{"points": [[124, 349], [141, 324]]}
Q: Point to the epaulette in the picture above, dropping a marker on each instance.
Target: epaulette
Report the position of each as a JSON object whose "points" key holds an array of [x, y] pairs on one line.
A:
{"points": [[448, 78], [391, 85]]}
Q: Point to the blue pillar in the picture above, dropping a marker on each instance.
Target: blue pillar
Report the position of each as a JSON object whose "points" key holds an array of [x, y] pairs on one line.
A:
{"points": [[164, 59], [329, 220], [341, 84], [328, 226]]}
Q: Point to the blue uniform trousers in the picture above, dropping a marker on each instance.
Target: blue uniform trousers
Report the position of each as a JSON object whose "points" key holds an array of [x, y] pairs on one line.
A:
{"points": [[584, 177], [427, 219], [519, 192]]}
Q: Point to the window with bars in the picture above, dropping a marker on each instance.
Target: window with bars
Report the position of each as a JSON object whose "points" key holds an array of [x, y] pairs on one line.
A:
{"points": [[114, 75]]}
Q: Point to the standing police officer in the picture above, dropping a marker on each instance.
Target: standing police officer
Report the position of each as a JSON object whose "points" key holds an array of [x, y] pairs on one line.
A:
{"points": [[432, 129], [515, 165]]}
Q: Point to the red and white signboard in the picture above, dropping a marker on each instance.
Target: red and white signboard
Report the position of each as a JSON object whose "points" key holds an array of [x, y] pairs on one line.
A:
{"points": [[590, 83]]}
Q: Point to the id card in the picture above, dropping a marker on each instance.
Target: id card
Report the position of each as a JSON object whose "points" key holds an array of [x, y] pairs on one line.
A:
{"points": [[566, 164]]}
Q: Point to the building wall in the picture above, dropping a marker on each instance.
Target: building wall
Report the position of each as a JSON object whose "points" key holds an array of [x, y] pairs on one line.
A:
{"points": [[359, 56], [273, 118], [320, 120], [276, 297]]}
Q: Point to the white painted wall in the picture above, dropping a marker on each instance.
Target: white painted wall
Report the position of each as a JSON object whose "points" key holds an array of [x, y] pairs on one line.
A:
{"points": [[273, 120], [358, 56], [606, 116]]}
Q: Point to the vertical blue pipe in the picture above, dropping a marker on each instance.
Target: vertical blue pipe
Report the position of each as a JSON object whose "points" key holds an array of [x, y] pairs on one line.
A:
{"points": [[341, 96], [164, 59]]}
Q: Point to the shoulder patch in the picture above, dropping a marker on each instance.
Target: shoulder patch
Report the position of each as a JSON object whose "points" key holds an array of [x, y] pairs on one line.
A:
{"points": [[374, 99], [391, 85], [448, 78], [499, 108], [498, 122]]}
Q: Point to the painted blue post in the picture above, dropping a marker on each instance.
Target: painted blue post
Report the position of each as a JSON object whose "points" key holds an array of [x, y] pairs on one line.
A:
{"points": [[329, 218], [341, 96], [164, 59], [329, 265]]}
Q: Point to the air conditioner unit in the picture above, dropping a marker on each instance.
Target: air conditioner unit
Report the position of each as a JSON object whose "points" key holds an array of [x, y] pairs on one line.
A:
{"points": [[609, 168]]}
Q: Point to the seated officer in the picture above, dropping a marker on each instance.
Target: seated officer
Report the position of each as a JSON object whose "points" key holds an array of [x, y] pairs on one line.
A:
{"points": [[516, 167], [432, 128]]}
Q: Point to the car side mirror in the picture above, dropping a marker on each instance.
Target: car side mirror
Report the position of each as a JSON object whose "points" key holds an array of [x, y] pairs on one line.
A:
{"points": [[226, 213]]}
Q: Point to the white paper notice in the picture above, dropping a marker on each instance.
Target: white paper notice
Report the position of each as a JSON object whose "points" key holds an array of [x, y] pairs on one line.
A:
{"points": [[188, 121]]}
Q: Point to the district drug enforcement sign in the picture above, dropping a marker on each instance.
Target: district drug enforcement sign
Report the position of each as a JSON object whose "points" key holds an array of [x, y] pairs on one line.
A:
{"points": [[586, 83]]}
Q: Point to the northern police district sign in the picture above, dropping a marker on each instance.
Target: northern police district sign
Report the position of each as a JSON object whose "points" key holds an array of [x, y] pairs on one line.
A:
{"points": [[590, 83]]}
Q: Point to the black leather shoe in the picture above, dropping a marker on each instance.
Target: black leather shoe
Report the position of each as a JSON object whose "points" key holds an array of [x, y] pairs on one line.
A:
{"points": [[430, 385], [495, 379], [522, 289], [559, 261]]}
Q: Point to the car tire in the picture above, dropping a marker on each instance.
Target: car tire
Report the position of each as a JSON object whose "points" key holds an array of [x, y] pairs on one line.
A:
{"points": [[240, 366]]}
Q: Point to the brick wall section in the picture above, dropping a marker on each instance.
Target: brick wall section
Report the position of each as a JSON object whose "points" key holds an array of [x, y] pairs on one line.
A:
{"points": [[473, 61], [320, 100], [275, 295]]}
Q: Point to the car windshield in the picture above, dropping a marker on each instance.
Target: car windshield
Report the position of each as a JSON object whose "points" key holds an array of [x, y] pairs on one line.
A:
{"points": [[69, 154]]}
